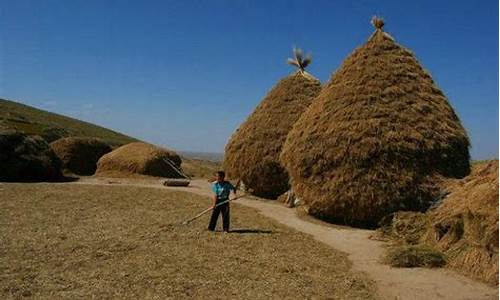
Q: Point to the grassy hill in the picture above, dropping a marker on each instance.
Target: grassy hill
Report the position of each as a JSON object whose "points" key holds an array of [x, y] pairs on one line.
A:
{"points": [[52, 126]]}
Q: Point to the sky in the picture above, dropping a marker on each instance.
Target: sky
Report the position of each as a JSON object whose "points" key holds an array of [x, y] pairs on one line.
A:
{"points": [[185, 74]]}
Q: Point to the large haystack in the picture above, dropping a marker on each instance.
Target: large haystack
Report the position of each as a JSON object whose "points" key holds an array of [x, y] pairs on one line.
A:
{"points": [[140, 158], [252, 153], [464, 226], [80, 154], [27, 158], [369, 142]]}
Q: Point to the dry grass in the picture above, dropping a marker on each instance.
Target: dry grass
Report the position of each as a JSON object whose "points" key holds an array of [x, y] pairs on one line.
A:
{"points": [[252, 153], [72, 241], [369, 143], [410, 256], [139, 158]]}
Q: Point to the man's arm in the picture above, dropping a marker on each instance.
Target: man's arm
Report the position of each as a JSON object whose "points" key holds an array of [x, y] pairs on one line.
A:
{"points": [[215, 195]]}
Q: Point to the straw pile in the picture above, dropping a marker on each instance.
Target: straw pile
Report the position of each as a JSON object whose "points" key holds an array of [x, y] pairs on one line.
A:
{"points": [[370, 141], [80, 154], [27, 158], [252, 153], [464, 226], [140, 158]]}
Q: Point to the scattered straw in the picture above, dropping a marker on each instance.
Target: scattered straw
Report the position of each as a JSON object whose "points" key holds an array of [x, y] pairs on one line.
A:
{"points": [[410, 256]]}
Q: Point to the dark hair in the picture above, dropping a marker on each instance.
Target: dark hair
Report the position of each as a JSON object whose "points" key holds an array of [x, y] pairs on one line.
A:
{"points": [[221, 174]]}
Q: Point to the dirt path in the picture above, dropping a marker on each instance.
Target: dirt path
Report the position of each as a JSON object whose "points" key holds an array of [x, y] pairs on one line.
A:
{"points": [[364, 253]]}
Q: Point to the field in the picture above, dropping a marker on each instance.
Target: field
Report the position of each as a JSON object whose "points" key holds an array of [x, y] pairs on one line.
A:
{"points": [[70, 241]]}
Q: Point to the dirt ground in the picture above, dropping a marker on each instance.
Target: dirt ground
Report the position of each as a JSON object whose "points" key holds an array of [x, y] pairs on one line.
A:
{"points": [[69, 241]]}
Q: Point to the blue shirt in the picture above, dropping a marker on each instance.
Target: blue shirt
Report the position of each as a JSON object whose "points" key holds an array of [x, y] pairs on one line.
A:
{"points": [[222, 189]]}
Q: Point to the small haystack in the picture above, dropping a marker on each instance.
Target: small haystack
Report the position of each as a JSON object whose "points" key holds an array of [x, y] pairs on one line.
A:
{"points": [[370, 141], [27, 159], [140, 159], [80, 154], [252, 152], [464, 226]]}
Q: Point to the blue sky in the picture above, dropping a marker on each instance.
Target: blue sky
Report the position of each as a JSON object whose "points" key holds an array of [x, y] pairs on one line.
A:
{"points": [[185, 74]]}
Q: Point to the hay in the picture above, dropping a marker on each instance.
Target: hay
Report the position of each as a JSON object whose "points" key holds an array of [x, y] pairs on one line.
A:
{"points": [[405, 226], [369, 143], [464, 227], [415, 256], [139, 159], [288, 199], [253, 150], [80, 154], [27, 159]]}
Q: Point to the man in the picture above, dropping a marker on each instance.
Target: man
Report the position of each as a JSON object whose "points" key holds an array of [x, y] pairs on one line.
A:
{"points": [[221, 189]]}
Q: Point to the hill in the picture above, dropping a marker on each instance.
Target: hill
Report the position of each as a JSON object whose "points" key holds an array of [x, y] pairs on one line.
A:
{"points": [[52, 126], [207, 156]]}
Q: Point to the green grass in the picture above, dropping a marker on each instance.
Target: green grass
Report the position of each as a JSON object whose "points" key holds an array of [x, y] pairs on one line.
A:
{"points": [[51, 126]]}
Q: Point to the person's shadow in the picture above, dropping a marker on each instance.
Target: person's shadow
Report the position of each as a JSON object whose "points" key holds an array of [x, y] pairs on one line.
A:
{"points": [[249, 230]]}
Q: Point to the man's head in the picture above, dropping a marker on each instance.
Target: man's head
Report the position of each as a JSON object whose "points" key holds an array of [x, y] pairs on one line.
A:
{"points": [[220, 176]]}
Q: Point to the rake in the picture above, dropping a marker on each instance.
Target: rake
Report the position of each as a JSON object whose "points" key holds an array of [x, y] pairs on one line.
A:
{"points": [[211, 208]]}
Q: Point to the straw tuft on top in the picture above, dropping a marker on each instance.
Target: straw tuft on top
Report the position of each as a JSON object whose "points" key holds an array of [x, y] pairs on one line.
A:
{"points": [[299, 60], [378, 22]]}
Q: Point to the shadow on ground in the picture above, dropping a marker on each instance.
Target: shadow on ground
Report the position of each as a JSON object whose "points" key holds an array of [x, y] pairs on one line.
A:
{"points": [[248, 230]]}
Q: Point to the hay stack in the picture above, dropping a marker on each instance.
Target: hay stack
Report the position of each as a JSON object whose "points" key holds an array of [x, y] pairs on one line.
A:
{"points": [[464, 226], [252, 152], [27, 159], [80, 154], [369, 142], [139, 158]]}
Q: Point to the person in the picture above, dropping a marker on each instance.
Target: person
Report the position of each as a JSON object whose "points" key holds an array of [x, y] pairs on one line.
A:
{"points": [[222, 190]]}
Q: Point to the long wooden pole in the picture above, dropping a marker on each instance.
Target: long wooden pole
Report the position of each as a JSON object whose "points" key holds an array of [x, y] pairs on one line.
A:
{"points": [[209, 209]]}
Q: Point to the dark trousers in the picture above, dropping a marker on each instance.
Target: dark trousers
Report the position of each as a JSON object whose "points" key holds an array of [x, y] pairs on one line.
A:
{"points": [[224, 210]]}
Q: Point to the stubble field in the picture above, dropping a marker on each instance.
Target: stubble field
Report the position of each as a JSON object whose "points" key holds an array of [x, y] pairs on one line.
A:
{"points": [[69, 241]]}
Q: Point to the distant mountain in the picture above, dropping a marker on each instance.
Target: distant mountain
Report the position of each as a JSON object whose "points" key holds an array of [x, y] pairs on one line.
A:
{"points": [[208, 156], [52, 126]]}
